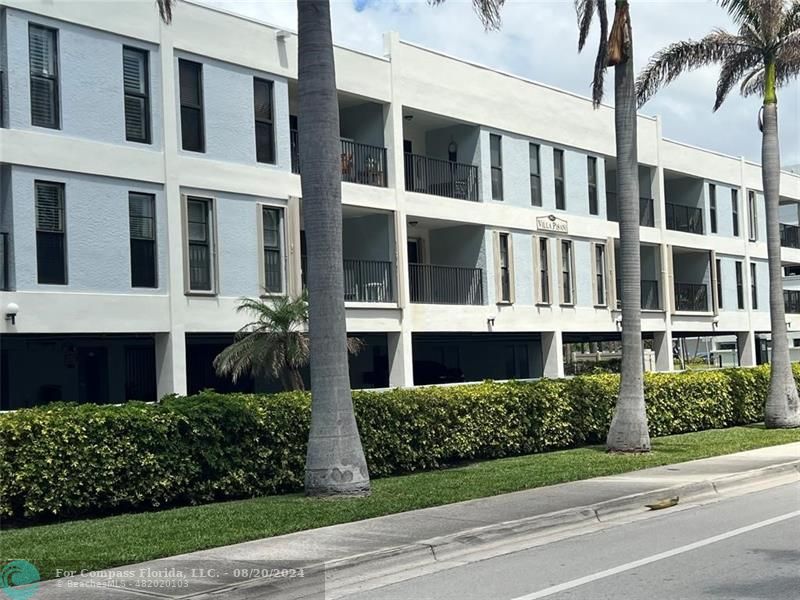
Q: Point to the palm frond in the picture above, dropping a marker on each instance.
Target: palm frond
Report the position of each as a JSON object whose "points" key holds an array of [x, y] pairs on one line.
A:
{"points": [[787, 69], [743, 10], [585, 11], [669, 63], [733, 69], [488, 11], [601, 61], [791, 20], [354, 345], [165, 9]]}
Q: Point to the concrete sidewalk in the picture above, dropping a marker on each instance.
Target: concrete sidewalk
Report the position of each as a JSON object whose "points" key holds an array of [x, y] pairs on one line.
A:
{"points": [[298, 564]]}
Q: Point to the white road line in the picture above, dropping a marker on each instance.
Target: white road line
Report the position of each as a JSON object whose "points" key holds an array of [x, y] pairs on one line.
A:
{"points": [[568, 585]]}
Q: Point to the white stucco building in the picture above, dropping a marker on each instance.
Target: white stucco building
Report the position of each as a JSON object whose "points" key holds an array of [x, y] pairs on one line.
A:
{"points": [[148, 179]]}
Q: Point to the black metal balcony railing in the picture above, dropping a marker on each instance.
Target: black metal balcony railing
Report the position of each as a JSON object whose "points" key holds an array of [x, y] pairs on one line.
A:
{"points": [[364, 280], [441, 177], [361, 163], [5, 279], [439, 284], [646, 210], [691, 297], [791, 299], [790, 236], [650, 299], [684, 218]]}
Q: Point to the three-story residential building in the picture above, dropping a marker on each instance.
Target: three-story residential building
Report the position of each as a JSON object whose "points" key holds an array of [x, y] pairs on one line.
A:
{"points": [[149, 178]]}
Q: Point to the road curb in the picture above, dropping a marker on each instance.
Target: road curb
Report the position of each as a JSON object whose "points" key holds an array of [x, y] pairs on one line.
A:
{"points": [[510, 533]]}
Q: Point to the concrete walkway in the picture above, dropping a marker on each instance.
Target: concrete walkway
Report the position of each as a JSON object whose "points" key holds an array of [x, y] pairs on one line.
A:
{"points": [[298, 564]]}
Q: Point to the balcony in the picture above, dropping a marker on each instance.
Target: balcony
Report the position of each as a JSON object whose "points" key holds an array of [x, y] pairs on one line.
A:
{"points": [[649, 294], [790, 235], [438, 177], [361, 163], [364, 280], [646, 210], [684, 218], [439, 284], [692, 297], [791, 299], [5, 279]]}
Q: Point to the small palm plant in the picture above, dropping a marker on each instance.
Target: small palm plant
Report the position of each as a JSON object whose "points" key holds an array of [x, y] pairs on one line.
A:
{"points": [[274, 344], [763, 55]]}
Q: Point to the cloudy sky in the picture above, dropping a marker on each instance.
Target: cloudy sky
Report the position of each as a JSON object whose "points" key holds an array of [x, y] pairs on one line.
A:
{"points": [[538, 40]]}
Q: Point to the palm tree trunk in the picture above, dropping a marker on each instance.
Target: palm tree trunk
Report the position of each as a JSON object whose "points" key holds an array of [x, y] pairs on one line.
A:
{"points": [[782, 409], [628, 431], [335, 463]]}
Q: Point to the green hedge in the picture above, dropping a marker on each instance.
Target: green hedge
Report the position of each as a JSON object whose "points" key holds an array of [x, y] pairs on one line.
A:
{"points": [[66, 460]]}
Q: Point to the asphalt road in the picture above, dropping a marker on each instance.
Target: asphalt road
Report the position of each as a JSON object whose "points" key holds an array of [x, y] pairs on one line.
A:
{"points": [[743, 548]]}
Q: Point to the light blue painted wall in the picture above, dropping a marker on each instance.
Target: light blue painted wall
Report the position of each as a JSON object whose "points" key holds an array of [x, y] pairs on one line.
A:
{"points": [[762, 284], [584, 292], [97, 231], [761, 209], [362, 123], [238, 250], [724, 210], [727, 275], [91, 88], [368, 237], [516, 175], [228, 113]]}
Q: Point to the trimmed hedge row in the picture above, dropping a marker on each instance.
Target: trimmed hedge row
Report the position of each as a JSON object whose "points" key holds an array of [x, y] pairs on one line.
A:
{"points": [[65, 460]]}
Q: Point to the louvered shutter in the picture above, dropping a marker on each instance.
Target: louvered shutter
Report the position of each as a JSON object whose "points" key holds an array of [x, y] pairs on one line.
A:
{"points": [[42, 51], [141, 216], [134, 73], [49, 207]]}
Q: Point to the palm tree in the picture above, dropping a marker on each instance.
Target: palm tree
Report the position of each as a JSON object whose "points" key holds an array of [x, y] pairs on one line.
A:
{"points": [[763, 55], [335, 463], [629, 431], [274, 344]]}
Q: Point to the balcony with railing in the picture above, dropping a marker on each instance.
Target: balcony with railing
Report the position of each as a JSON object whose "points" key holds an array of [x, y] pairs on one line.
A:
{"points": [[684, 218], [361, 163], [441, 284], [650, 298], [790, 235], [427, 175], [364, 280], [646, 210], [691, 297], [791, 299]]}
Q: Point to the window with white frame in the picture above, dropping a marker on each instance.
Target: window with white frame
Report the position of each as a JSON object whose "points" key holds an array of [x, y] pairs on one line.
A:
{"points": [[591, 168], [536, 174], [51, 245], [506, 271], [272, 235], [44, 81], [567, 273], [496, 152], [137, 94], [558, 176], [752, 213], [544, 270], [142, 225], [600, 287]]}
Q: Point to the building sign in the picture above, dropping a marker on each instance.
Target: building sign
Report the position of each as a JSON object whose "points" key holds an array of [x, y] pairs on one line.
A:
{"points": [[551, 223]]}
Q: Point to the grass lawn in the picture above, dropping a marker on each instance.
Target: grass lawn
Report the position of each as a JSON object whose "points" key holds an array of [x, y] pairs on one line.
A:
{"points": [[132, 538]]}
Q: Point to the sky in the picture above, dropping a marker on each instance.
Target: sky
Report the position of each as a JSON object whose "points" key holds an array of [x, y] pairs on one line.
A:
{"points": [[538, 40]]}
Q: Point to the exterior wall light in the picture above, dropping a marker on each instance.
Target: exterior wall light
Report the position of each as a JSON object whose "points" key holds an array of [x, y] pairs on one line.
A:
{"points": [[490, 320], [11, 312]]}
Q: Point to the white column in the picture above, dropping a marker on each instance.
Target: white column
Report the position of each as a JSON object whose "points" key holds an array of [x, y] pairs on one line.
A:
{"points": [[552, 354], [170, 363], [662, 346], [401, 364], [746, 345]]}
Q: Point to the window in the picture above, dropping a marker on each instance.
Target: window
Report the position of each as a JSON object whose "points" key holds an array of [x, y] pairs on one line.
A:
{"points": [[265, 133], [544, 271], [137, 95], [735, 212], [567, 288], [142, 222], [199, 226], [51, 256], [753, 285], [536, 175], [600, 274], [192, 127], [558, 173], [505, 268], [43, 57], [495, 143], [719, 283], [273, 250], [739, 285], [712, 205], [591, 164], [752, 211]]}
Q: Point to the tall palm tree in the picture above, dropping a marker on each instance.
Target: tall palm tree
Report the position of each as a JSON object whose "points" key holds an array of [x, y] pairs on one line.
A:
{"points": [[762, 56], [629, 431], [335, 463], [274, 344]]}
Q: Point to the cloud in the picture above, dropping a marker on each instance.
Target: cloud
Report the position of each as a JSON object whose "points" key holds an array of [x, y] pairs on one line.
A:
{"points": [[538, 40]]}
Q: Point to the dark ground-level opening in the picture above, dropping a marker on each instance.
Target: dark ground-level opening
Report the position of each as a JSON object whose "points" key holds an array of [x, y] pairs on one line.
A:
{"points": [[102, 369], [454, 357]]}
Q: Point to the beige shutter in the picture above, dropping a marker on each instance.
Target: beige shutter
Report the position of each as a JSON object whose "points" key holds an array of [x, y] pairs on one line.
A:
{"points": [[260, 276], [185, 241], [611, 285], [592, 259], [511, 271], [294, 281], [498, 287], [714, 279]]}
